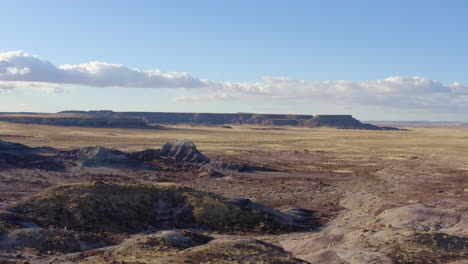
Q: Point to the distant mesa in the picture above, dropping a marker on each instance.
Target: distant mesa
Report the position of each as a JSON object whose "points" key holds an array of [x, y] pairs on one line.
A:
{"points": [[91, 112], [154, 120], [280, 122], [341, 122], [101, 121]]}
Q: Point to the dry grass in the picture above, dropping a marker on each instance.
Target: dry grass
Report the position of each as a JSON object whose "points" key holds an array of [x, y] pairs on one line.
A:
{"points": [[356, 145], [363, 171]]}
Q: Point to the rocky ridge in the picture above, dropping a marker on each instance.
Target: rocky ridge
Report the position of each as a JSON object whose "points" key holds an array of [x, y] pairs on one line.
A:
{"points": [[153, 120]]}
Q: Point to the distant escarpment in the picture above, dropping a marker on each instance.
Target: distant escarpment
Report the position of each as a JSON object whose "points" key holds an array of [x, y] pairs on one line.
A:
{"points": [[341, 122], [281, 122], [336, 121], [196, 118], [79, 121], [152, 120]]}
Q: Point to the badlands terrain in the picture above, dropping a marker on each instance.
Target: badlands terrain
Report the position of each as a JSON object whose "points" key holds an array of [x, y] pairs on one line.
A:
{"points": [[237, 193]]}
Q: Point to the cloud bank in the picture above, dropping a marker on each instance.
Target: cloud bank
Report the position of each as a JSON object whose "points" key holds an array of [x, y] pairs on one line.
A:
{"points": [[395, 91], [19, 66], [19, 69]]}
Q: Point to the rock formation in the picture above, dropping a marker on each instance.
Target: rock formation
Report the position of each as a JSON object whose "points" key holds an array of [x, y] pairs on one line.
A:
{"points": [[97, 156], [179, 154], [183, 150], [341, 122], [15, 155], [80, 121], [280, 122], [152, 120]]}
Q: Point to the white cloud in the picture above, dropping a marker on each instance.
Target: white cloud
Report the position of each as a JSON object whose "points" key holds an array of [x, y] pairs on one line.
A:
{"points": [[7, 86], [19, 66], [396, 91], [19, 69]]}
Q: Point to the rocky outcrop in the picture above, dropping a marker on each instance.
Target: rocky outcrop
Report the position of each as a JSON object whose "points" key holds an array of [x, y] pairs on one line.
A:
{"points": [[179, 154], [280, 122], [341, 122], [97, 156], [422, 218], [246, 251], [195, 118], [151, 120], [183, 150], [99, 121], [209, 118], [183, 246], [45, 240], [15, 155]]}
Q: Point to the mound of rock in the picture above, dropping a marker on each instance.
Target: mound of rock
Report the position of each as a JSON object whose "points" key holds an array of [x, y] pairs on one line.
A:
{"points": [[180, 152], [137, 207], [151, 246], [182, 246], [247, 251], [221, 165], [9, 221], [422, 218], [15, 155], [97, 156], [51, 240], [183, 150]]}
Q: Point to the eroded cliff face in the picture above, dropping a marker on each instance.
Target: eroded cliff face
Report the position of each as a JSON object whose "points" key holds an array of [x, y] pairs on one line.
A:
{"points": [[81, 121], [211, 118], [341, 122], [149, 120]]}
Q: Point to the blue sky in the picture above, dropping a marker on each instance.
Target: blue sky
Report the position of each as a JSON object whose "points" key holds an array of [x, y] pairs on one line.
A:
{"points": [[381, 60]]}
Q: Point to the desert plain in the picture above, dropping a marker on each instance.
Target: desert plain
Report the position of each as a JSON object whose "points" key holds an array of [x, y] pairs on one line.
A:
{"points": [[363, 196]]}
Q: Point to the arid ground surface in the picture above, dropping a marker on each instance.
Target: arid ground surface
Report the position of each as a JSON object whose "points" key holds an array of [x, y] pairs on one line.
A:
{"points": [[376, 196]]}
